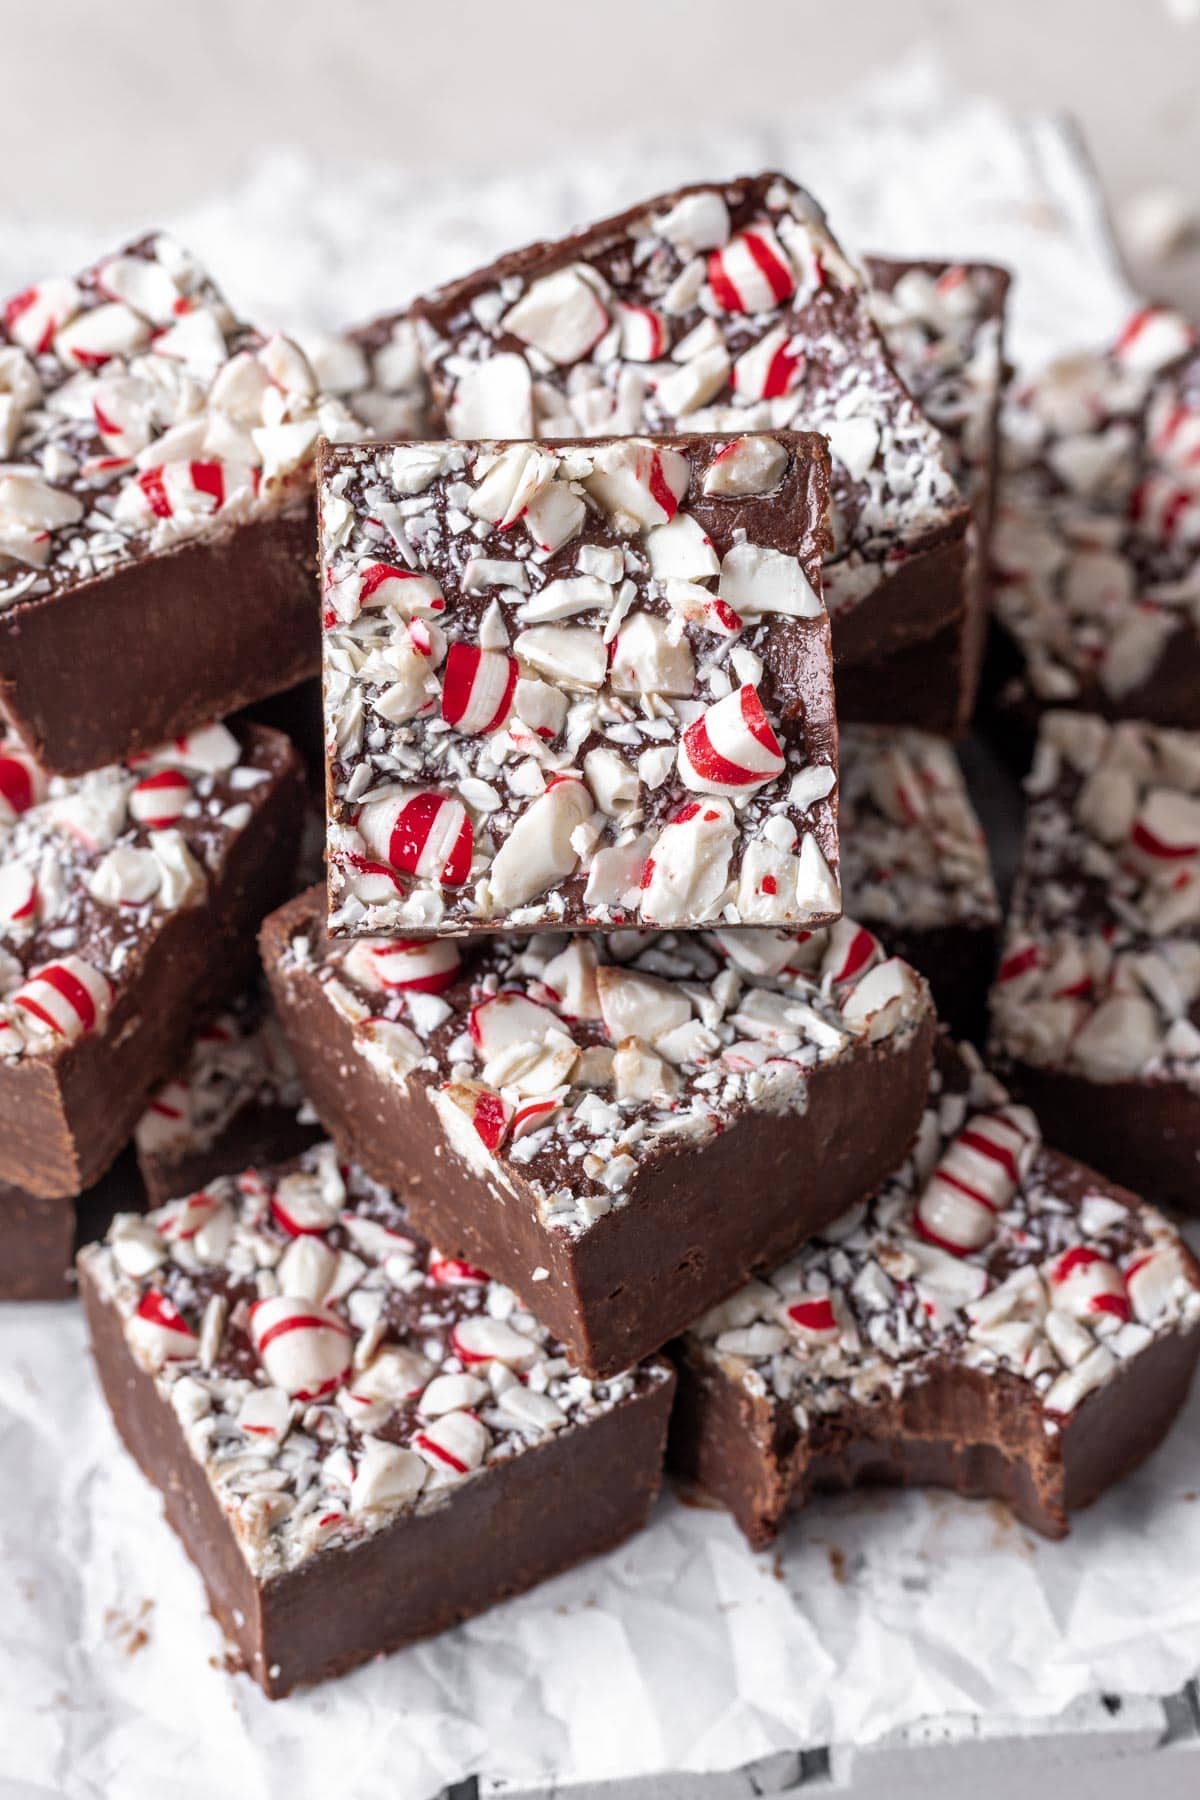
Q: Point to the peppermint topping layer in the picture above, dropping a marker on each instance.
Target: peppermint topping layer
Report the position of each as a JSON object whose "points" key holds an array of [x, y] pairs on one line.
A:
{"points": [[1097, 545], [576, 1061], [717, 308], [578, 684], [90, 868], [1101, 967], [376, 371], [241, 1059], [984, 1252], [914, 856], [943, 325], [330, 1370], [135, 412]]}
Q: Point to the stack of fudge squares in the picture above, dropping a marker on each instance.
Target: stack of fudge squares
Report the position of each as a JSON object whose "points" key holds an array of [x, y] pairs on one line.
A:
{"points": [[571, 1122]]}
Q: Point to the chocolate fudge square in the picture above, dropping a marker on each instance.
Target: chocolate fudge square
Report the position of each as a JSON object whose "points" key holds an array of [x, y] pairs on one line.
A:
{"points": [[578, 684], [1096, 571], [622, 1127], [235, 1101], [129, 900], [915, 864], [1095, 1012], [729, 307], [360, 1440], [156, 534], [943, 324], [1000, 1321]]}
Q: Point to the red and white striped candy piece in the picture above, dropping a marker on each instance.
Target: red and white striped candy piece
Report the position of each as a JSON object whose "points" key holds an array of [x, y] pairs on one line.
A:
{"points": [[751, 274], [748, 465], [851, 950], [1021, 962], [488, 1112], [177, 489], [22, 783], [686, 874], [477, 688], [812, 1319], [634, 479], [18, 896], [643, 333], [1151, 1279], [160, 799], [454, 1271], [303, 1206], [896, 787], [305, 1349], [32, 318], [143, 283], [769, 369], [1166, 833], [209, 750], [505, 1019], [533, 1116], [403, 965], [416, 596], [159, 1331], [166, 1120], [68, 998], [975, 1179], [427, 835], [731, 748], [478, 1339], [1086, 1284], [94, 337], [454, 1444], [1154, 337]]}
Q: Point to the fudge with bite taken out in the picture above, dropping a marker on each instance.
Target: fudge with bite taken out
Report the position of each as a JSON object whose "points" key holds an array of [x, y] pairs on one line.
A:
{"points": [[729, 307], [1097, 546], [129, 900], [1000, 1321], [915, 864], [621, 1127], [1095, 1012], [578, 685], [156, 533], [360, 1440]]}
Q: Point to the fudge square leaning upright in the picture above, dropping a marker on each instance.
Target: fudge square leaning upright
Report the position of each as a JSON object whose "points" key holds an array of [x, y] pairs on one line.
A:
{"points": [[730, 307], [578, 684], [156, 533]]}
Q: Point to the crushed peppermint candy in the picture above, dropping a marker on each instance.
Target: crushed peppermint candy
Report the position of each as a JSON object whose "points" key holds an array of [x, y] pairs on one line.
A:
{"points": [[92, 867], [723, 307], [1100, 973], [137, 412], [376, 371], [576, 1060], [914, 856], [1097, 543], [582, 684], [985, 1252], [330, 1370]]}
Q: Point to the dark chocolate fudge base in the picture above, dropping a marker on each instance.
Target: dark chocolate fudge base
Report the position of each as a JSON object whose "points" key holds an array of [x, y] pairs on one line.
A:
{"points": [[64, 1118], [981, 1436], [511, 1527], [42, 1236], [958, 962], [161, 645], [693, 1226], [1141, 1133], [930, 684]]}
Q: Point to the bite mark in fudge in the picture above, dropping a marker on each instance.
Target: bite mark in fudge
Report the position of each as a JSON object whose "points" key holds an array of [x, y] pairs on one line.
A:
{"points": [[578, 684], [1096, 1006], [625, 1125], [1097, 546], [155, 507], [943, 324], [236, 1101], [915, 864], [721, 307], [1000, 1321], [360, 1440], [128, 903]]}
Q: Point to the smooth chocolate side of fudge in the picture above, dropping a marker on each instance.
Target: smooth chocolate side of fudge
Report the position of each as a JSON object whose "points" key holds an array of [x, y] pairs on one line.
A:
{"points": [[541, 709], [1095, 1010], [114, 956], [718, 307], [1000, 1321], [156, 564], [196, 632], [360, 1441], [623, 1270], [915, 865], [42, 1236]]}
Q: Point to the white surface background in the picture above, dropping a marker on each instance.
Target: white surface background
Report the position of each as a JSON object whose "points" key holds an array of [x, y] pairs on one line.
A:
{"points": [[681, 1651]]}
